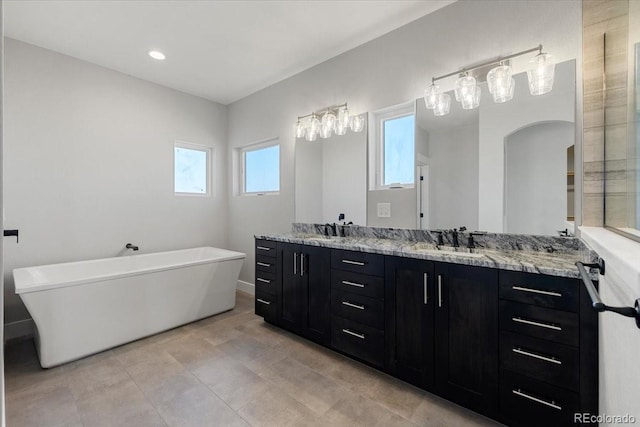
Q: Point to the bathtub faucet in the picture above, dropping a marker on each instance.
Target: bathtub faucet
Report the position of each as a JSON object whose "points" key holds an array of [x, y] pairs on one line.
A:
{"points": [[132, 247]]}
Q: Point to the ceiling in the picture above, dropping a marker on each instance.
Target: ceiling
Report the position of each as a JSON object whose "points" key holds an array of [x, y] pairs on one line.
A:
{"points": [[219, 50]]}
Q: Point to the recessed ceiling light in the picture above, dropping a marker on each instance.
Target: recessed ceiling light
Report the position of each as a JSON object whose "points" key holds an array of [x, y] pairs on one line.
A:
{"points": [[156, 54]]}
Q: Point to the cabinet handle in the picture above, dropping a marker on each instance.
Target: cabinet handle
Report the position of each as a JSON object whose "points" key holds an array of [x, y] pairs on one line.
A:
{"points": [[301, 264], [355, 334], [350, 304], [260, 279], [439, 290], [424, 283], [551, 404], [295, 263], [263, 264], [263, 301], [536, 291], [357, 285], [537, 356], [264, 248], [348, 261], [534, 323]]}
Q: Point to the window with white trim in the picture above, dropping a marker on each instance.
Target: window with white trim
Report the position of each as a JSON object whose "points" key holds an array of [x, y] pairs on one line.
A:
{"points": [[192, 169], [392, 141], [259, 167]]}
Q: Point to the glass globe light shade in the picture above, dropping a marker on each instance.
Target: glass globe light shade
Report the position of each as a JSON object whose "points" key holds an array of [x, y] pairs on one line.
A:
{"points": [[501, 83], [471, 99], [314, 125], [431, 96], [341, 128], [357, 124], [329, 121], [311, 136], [325, 131], [443, 104], [344, 117], [299, 129], [465, 87], [541, 73]]}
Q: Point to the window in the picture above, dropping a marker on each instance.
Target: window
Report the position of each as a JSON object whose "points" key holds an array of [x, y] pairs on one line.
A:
{"points": [[191, 168], [392, 141], [260, 168]]}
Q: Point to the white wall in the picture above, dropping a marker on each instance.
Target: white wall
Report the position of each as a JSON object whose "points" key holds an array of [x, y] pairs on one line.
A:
{"points": [[536, 178], [453, 178], [392, 69], [89, 164]]}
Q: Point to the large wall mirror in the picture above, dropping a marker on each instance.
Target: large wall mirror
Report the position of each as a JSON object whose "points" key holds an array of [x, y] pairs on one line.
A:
{"points": [[498, 168]]}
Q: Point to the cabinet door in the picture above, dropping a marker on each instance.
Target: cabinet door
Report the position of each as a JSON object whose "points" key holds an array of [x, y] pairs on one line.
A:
{"points": [[315, 287], [409, 320], [290, 288], [466, 336]]}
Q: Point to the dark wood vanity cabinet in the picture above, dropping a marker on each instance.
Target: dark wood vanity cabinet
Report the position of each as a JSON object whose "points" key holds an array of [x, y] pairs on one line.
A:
{"points": [[466, 336], [304, 284], [267, 286], [548, 350], [409, 318]]}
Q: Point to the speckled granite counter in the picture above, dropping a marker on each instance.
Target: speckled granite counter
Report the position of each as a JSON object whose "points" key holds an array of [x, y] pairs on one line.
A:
{"points": [[503, 251]]}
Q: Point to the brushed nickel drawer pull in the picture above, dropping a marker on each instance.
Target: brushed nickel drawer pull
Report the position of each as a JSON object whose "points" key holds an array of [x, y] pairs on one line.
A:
{"points": [[439, 290], [263, 264], [350, 304], [424, 283], [534, 323], [355, 334], [263, 248], [301, 264], [536, 291], [260, 279], [357, 285], [295, 263], [348, 261], [263, 301], [551, 404], [537, 356]]}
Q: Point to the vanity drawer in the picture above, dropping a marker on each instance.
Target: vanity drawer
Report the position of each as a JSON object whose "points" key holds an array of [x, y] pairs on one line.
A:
{"points": [[360, 284], [538, 289], [554, 363], [359, 308], [266, 248], [266, 306], [266, 282], [527, 402], [358, 262], [545, 323], [353, 338], [265, 264]]}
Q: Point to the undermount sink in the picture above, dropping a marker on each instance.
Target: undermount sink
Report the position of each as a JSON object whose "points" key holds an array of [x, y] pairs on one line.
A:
{"points": [[465, 252]]}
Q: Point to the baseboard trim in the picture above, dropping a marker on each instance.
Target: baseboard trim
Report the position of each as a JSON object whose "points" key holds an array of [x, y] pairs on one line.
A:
{"points": [[247, 287], [19, 329]]}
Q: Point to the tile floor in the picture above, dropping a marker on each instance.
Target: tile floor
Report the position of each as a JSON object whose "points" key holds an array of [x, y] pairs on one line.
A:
{"points": [[232, 369]]}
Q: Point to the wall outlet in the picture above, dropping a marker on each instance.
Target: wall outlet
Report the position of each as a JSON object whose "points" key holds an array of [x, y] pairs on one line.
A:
{"points": [[384, 210]]}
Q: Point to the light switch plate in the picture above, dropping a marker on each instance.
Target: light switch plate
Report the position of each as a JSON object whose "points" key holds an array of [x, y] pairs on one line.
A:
{"points": [[384, 210]]}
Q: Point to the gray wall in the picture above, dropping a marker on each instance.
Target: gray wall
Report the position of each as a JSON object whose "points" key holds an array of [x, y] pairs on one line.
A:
{"points": [[392, 69], [89, 164]]}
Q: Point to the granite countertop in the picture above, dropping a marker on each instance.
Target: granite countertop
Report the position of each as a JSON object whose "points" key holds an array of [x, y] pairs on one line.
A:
{"points": [[558, 263]]}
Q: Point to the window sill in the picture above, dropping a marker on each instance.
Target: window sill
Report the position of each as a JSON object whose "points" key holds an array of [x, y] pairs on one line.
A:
{"points": [[268, 193], [622, 258]]}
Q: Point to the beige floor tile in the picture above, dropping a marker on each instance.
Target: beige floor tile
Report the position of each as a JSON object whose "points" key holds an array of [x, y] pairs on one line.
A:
{"points": [[357, 410], [19, 377], [397, 396], [191, 350], [274, 408], [95, 375], [42, 406], [121, 405]]}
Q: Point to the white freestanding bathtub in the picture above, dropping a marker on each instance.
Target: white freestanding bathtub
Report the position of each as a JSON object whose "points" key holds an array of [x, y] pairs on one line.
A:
{"points": [[84, 307]]}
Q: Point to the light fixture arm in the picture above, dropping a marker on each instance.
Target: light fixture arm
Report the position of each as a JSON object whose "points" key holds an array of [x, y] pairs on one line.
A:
{"points": [[484, 64], [332, 108]]}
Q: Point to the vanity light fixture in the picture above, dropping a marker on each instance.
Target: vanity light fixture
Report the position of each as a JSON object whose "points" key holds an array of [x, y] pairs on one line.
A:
{"points": [[156, 54], [336, 119], [500, 82]]}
